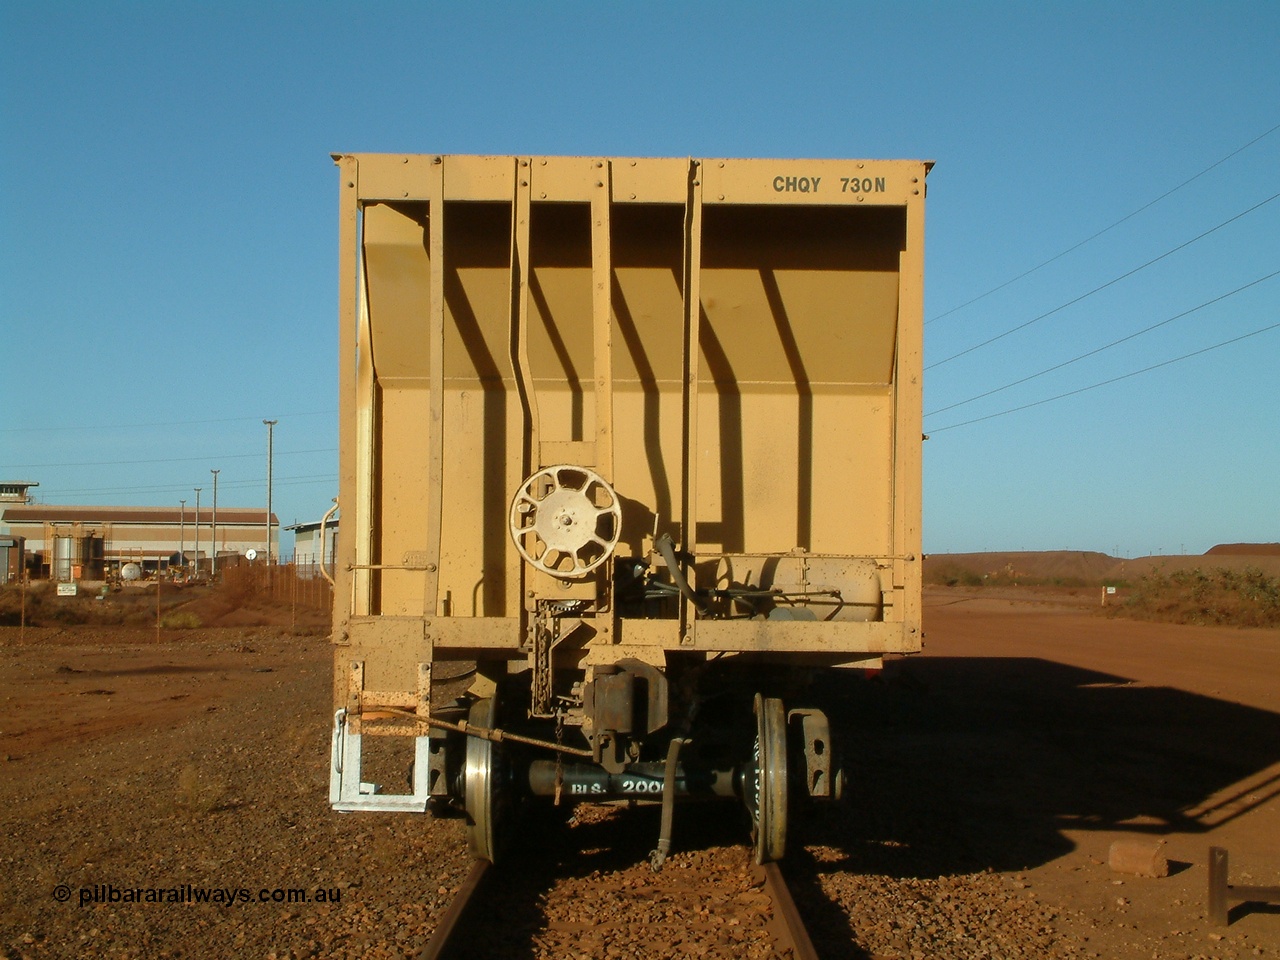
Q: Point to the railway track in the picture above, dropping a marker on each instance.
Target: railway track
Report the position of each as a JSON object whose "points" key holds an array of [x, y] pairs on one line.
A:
{"points": [[710, 903]]}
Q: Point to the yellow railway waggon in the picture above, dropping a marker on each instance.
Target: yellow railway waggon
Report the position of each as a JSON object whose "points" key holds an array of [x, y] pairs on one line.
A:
{"points": [[637, 441]]}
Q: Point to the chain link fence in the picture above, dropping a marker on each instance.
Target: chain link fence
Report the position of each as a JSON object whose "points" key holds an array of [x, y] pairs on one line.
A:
{"points": [[301, 585]]}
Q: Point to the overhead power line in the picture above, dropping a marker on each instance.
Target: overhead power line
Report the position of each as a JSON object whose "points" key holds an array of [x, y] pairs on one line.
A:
{"points": [[177, 488], [251, 483], [1128, 216], [169, 423], [1097, 289], [1095, 386], [1113, 343], [211, 458]]}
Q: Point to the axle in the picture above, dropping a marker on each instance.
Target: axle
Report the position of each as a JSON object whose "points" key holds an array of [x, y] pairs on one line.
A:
{"points": [[580, 781]]}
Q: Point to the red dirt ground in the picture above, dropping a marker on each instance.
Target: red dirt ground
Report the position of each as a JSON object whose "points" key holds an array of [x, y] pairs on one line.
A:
{"points": [[1081, 731], [1029, 735]]}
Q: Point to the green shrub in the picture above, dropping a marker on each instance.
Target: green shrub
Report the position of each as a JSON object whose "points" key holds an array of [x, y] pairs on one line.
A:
{"points": [[1242, 598]]}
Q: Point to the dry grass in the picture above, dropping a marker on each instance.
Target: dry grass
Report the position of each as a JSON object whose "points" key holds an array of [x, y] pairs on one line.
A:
{"points": [[180, 620], [951, 573], [241, 599], [197, 791]]}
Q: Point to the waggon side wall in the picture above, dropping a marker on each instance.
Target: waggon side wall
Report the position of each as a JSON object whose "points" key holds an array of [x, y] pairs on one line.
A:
{"points": [[795, 286]]}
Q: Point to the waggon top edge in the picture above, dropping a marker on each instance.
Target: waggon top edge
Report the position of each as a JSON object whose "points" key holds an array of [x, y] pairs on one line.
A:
{"points": [[643, 180]]}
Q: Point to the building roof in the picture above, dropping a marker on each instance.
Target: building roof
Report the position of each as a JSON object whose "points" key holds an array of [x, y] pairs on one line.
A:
{"points": [[15, 491], [43, 512], [331, 524]]}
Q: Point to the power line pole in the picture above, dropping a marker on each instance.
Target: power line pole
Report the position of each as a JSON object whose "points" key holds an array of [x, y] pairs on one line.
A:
{"points": [[213, 553], [270, 424], [197, 531], [182, 536]]}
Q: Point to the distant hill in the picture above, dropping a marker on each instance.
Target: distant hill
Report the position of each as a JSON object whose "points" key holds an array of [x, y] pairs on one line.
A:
{"points": [[1245, 550], [1030, 565], [1132, 569], [1230, 556], [1075, 567]]}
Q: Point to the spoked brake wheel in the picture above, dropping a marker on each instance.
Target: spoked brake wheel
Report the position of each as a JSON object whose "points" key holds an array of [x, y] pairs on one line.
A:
{"points": [[565, 520]]}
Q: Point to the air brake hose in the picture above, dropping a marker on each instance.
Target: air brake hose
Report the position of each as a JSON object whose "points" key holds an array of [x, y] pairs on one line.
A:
{"points": [[667, 548]]}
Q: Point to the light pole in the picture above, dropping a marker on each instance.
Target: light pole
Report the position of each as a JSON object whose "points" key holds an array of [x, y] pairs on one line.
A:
{"points": [[182, 535], [213, 562], [270, 425], [197, 531]]}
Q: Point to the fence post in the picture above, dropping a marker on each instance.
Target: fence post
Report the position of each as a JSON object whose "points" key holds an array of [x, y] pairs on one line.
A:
{"points": [[1218, 886]]}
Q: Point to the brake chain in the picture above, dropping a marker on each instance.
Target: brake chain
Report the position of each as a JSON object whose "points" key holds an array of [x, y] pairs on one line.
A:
{"points": [[559, 755]]}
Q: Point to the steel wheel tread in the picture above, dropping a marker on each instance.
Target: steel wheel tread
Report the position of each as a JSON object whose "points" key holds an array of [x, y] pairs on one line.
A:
{"points": [[482, 789], [768, 791]]}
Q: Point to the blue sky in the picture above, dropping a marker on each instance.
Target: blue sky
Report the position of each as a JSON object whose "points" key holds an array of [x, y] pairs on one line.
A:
{"points": [[169, 226]]}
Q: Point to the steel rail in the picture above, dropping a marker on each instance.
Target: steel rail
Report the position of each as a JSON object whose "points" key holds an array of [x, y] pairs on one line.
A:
{"points": [[788, 925], [441, 945]]}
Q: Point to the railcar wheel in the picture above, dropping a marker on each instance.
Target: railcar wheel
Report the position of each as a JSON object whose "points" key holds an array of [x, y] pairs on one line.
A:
{"points": [[484, 793], [766, 787]]}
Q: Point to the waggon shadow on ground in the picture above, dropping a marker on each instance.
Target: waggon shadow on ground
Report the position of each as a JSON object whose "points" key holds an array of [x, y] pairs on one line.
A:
{"points": [[955, 766], [960, 765]]}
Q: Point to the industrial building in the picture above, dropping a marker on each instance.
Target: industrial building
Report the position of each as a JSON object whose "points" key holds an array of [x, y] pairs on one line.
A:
{"points": [[308, 550], [12, 552], [67, 543], [16, 491]]}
